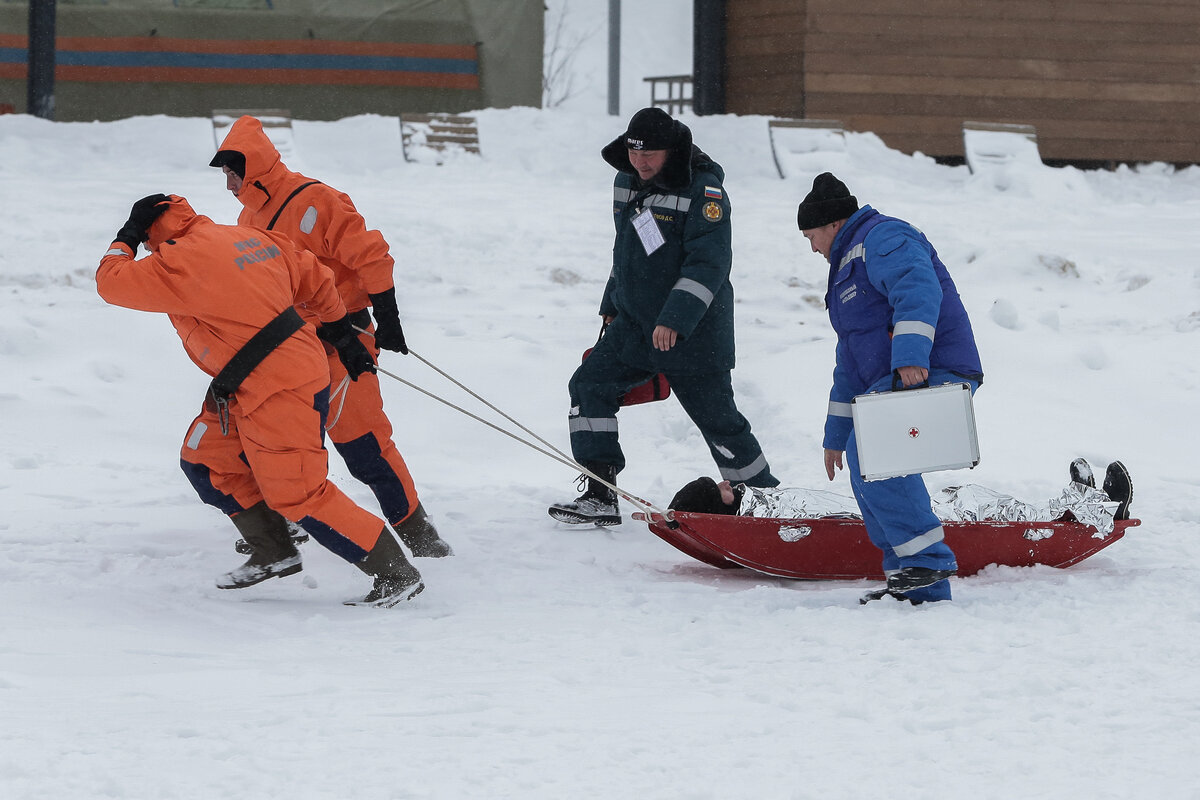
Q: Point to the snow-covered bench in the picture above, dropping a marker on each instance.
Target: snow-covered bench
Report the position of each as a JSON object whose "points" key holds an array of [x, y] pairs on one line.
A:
{"points": [[988, 145], [434, 137], [800, 137]]}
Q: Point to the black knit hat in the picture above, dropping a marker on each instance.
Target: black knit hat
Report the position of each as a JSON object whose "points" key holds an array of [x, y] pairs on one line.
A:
{"points": [[828, 202], [232, 159], [702, 496], [651, 129]]}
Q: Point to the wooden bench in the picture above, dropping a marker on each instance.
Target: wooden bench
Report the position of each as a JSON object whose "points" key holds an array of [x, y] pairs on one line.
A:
{"points": [[435, 137], [991, 146], [276, 122], [791, 137]]}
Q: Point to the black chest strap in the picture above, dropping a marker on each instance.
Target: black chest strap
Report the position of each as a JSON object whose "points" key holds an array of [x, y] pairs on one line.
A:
{"points": [[245, 360], [296, 191]]}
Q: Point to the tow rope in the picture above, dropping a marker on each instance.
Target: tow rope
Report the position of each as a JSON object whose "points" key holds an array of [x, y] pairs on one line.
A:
{"points": [[547, 449]]}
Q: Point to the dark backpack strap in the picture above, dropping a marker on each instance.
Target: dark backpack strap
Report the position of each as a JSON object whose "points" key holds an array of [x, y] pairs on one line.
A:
{"points": [[261, 344], [300, 188]]}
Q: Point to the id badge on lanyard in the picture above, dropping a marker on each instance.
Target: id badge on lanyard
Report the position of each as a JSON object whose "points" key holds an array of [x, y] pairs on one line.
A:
{"points": [[647, 230]]}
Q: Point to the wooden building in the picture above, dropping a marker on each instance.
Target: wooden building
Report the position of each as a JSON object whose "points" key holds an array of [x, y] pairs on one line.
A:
{"points": [[1101, 80]]}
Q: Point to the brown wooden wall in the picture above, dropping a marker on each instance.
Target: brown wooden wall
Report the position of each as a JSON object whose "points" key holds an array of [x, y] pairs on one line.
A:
{"points": [[1102, 80], [764, 56]]}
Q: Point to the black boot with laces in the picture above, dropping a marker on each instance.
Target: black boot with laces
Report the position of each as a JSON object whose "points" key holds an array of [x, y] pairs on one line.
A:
{"points": [[596, 506]]}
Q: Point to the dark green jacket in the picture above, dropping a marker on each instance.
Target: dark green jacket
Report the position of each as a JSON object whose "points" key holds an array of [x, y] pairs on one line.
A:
{"points": [[684, 284]]}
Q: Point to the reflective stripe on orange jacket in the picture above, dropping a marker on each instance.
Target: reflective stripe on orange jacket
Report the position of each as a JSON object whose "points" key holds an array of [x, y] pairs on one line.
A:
{"points": [[319, 218], [220, 284]]}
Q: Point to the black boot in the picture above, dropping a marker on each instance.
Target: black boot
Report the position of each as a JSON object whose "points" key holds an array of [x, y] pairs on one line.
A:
{"points": [[878, 594], [272, 552], [396, 580], [1119, 487], [420, 537], [908, 579], [1081, 472], [597, 505], [298, 534]]}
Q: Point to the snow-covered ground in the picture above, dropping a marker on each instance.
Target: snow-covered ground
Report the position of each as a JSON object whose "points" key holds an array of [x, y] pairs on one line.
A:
{"points": [[544, 661]]}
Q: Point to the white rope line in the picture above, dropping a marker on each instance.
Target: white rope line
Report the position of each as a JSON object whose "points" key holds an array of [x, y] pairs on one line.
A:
{"points": [[420, 358], [549, 450], [343, 391]]}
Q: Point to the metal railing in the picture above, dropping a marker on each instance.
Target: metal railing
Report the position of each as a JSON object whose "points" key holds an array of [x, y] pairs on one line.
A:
{"points": [[678, 89]]}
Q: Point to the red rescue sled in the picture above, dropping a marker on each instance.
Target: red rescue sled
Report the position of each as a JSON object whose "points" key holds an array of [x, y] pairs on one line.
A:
{"points": [[838, 549]]}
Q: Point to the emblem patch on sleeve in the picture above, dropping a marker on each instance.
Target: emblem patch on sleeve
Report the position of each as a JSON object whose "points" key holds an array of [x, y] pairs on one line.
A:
{"points": [[713, 212]]}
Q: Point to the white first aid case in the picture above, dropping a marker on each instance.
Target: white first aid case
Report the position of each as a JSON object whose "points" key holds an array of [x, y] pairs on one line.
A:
{"points": [[915, 430]]}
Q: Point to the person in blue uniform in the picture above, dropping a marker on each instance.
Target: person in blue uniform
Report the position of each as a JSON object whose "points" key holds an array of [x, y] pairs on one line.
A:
{"points": [[900, 324], [667, 308]]}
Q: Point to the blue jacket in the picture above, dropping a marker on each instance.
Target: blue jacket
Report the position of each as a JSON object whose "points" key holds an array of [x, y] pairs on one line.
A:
{"points": [[893, 304], [684, 284]]}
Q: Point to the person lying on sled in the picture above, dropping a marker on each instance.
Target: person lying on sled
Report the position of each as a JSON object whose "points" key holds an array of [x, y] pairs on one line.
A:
{"points": [[1080, 501]]}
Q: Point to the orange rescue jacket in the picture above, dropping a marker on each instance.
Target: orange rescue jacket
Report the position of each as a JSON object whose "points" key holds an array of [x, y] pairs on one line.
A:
{"points": [[318, 218], [220, 284]]}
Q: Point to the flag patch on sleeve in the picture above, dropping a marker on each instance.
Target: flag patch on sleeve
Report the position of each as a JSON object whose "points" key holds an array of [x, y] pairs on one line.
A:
{"points": [[713, 191]]}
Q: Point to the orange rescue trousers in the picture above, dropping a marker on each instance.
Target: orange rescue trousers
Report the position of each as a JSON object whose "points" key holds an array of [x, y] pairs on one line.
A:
{"points": [[276, 453], [362, 435]]}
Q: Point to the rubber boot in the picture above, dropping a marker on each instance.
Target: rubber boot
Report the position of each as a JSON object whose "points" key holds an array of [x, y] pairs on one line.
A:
{"points": [[420, 537], [273, 554], [1119, 487], [597, 505], [298, 534], [1081, 472], [909, 579], [396, 580]]}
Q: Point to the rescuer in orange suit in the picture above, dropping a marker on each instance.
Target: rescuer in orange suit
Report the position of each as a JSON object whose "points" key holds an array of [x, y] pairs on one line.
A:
{"points": [[324, 221], [231, 292]]}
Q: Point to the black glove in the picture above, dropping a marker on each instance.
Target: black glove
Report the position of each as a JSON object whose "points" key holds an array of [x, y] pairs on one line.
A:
{"points": [[388, 333], [353, 354], [141, 217]]}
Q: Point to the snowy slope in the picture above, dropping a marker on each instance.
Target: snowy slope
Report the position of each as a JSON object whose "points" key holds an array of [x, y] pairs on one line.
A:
{"points": [[544, 661]]}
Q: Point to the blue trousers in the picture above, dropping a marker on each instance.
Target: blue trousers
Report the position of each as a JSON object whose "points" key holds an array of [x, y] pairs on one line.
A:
{"points": [[596, 389], [898, 515]]}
